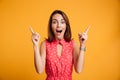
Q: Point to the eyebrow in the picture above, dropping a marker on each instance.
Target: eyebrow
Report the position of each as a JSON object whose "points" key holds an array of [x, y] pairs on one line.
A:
{"points": [[56, 19]]}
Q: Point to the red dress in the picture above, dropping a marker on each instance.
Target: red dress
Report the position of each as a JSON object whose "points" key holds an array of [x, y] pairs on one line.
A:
{"points": [[59, 68]]}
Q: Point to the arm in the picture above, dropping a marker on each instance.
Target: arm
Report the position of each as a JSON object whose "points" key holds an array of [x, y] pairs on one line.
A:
{"points": [[39, 57], [78, 58], [39, 54], [79, 52]]}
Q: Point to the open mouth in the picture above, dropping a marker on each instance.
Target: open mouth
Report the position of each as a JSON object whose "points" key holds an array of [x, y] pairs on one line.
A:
{"points": [[58, 31]]}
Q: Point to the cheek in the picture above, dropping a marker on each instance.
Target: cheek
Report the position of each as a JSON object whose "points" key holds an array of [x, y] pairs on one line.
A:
{"points": [[64, 28]]}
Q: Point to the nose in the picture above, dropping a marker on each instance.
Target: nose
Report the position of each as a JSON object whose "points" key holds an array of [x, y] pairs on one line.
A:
{"points": [[58, 25]]}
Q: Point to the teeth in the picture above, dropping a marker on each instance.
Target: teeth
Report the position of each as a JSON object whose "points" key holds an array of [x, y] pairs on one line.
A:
{"points": [[59, 31]]}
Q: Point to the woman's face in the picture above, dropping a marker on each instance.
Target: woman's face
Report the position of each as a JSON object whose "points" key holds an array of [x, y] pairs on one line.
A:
{"points": [[58, 26]]}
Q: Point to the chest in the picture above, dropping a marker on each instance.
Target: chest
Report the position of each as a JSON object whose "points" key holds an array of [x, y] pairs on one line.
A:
{"points": [[58, 51]]}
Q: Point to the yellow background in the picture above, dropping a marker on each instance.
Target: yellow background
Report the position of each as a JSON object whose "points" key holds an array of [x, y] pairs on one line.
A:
{"points": [[102, 58]]}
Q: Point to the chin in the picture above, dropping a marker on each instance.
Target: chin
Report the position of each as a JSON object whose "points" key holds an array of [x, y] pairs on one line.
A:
{"points": [[59, 38]]}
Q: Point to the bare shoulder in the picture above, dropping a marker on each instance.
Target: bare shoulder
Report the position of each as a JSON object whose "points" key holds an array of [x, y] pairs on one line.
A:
{"points": [[43, 43], [75, 51], [43, 51], [43, 47], [75, 44]]}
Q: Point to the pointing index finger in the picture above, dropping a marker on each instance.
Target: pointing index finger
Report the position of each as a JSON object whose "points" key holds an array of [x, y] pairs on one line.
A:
{"points": [[31, 30], [87, 29]]}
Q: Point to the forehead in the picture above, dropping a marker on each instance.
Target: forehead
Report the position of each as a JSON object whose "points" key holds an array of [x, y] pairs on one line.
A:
{"points": [[57, 16]]}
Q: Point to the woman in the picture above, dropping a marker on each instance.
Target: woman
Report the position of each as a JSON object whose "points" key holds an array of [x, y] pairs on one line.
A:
{"points": [[59, 52]]}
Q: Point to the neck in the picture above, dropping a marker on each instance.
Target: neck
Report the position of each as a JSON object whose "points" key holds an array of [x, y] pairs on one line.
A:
{"points": [[59, 39]]}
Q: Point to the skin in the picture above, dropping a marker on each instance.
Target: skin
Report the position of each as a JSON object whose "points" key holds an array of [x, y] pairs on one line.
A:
{"points": [[58, 23]]}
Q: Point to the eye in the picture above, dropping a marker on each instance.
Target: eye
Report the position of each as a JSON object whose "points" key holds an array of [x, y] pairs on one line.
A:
{"points": [[54, 22], [62, 22]]}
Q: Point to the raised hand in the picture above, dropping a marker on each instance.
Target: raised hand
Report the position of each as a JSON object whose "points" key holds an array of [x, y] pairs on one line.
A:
{"points": [[83, 36], [35, 37]]}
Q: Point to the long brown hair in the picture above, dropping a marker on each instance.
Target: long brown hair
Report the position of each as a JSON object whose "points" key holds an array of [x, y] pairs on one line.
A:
{"points": [[67, 35]]}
